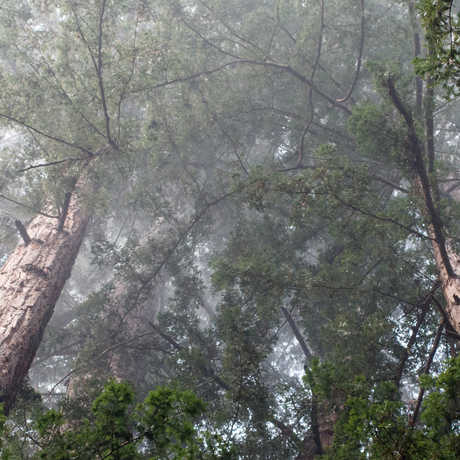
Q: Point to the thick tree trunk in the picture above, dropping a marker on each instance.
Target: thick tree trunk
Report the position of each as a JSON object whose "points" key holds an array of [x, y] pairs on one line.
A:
{"points": [[31, 281], [450, 285]]}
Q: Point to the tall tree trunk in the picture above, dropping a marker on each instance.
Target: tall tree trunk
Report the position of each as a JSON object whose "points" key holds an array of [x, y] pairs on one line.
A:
{"points": [[447, 260], [31, 281], [127, 313], [450, 285]]}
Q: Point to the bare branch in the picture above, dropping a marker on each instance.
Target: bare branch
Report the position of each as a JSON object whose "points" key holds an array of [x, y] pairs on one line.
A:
{"points": [[26, 125], [99, 72], [417, 51], [52, 163], [298, 335], [240, 37], [30, 208], [310, 92], [360, 56]]}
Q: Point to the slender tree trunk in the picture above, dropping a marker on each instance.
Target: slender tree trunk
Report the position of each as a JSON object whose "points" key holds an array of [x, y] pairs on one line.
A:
{"points": [[447, 259], [31, 281]]}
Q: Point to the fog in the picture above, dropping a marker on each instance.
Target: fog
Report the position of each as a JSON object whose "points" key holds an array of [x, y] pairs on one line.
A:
{"points": [[240, 216]]}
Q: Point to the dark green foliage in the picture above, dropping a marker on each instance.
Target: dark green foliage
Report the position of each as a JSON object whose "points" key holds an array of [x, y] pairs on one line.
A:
{"points": [[207, 224], [378, 134], [442, 27], [376, 424], [164, 426]]}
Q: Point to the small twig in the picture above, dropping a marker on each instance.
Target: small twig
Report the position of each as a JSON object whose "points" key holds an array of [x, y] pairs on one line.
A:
{"points": [[382, 218], [44, 134], [22, 231], [30, 208], [52, 163]]}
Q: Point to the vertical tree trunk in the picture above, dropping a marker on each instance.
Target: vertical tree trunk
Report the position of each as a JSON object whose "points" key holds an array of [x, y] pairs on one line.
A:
{"points": [[31, 281], [450, 285]]}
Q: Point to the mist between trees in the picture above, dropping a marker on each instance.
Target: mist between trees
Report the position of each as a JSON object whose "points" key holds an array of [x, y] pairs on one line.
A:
{"points": [[229, 229]]}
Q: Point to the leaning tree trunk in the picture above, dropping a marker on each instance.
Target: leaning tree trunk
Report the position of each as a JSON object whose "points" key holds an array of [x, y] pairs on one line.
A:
{"points": [[31, 281], [127, 315], [446, 258]]}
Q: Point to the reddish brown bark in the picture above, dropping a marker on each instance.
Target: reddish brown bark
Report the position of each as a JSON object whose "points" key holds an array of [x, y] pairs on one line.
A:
{"points": [[450, 285], [31, 281]]}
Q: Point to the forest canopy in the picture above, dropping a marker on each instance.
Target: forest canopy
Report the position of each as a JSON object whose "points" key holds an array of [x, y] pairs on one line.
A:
{"points": [[229, 229]]}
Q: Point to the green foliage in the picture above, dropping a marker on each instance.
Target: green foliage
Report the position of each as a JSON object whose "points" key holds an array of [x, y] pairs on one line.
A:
{"points": [[375, 423], [330, 241], [3, 448], [164, 426], [167, 421], [378, 134], [442, 27], [441, 413]]}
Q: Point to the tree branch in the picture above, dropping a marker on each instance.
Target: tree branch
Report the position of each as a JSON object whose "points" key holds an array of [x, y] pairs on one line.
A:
{"points": [[417, 52], [426, 370], [360, 57], [99, 73], [22, 231], [65, 210], [30, 208], [310, 91], [419, 169], [51, 163], [44, 134], [298, 335], [420, 319]]}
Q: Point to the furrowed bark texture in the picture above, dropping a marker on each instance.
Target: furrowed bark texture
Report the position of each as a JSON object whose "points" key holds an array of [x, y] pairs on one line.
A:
{"points": [[31, 281], [450, 285]]}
